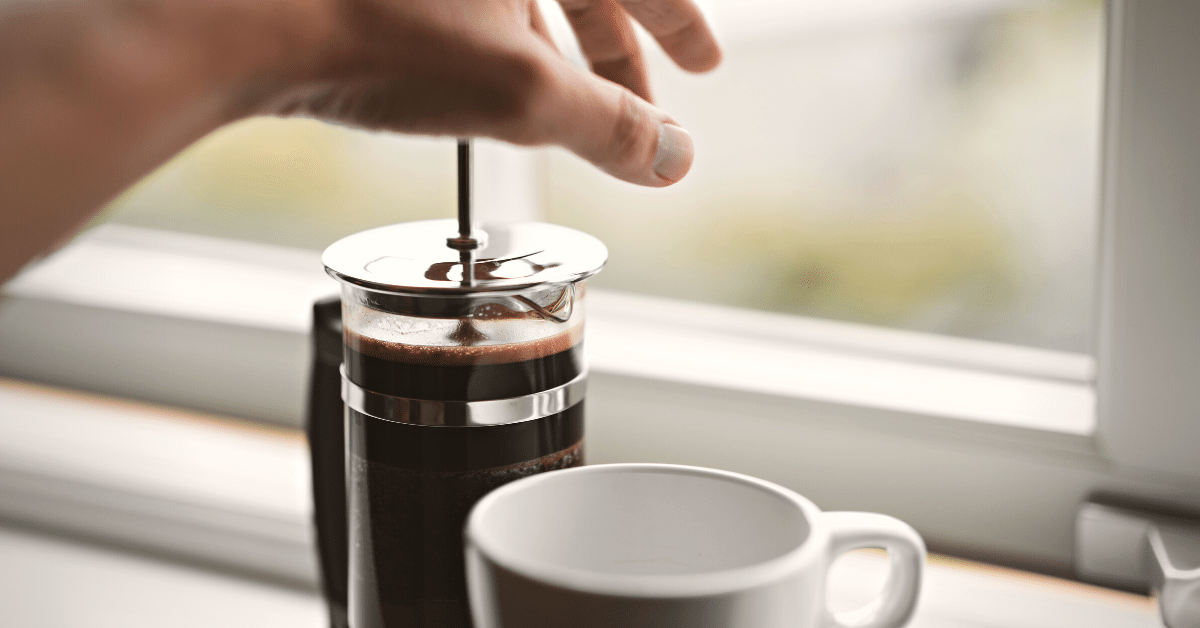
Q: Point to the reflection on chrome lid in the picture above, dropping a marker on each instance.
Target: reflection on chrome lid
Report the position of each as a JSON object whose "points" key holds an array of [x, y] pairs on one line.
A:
{"points": [[413, 258]]}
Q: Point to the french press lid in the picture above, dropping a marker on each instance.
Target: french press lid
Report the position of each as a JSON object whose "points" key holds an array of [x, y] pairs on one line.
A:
{"points": [[408, 268]]}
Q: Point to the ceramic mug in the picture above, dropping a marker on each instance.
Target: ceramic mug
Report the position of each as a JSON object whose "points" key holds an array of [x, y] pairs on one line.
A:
{"points": [[668, 546]]}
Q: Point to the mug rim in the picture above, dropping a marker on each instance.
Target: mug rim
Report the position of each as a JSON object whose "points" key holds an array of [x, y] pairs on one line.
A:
{"points": [[649, 585]]}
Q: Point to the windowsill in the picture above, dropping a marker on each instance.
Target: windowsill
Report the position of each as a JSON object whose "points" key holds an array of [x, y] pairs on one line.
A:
{"points": [[908, 373], [944, 433], [224, 494], [209, 489], [110, 588]]}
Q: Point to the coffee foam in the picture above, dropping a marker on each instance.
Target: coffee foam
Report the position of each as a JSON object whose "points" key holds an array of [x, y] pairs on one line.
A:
{"points": [[458, 355]]}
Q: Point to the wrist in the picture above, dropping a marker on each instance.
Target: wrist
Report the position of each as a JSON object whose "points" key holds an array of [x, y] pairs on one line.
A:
{"points": [[229, 54], [282, 44]]}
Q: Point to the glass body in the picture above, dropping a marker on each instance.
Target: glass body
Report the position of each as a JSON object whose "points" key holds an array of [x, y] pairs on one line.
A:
{"points": [[411, 485]]}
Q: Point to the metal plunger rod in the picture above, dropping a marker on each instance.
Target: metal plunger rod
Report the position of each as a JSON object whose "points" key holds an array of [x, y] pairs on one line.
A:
{"points": [[464, 190], [465, 243]]}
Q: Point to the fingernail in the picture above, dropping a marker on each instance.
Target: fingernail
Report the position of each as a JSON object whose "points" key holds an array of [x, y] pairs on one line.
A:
{"points": [[673, 158]]}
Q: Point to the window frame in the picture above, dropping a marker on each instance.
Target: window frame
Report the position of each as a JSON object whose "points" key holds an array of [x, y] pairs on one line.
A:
{"points": [[1148, 345]]}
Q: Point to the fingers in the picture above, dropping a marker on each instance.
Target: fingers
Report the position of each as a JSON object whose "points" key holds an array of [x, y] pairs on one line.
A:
{"points": [[611, 127], [609, 42], [615, 127], [680, 29], [677, 25], [538, 23]]}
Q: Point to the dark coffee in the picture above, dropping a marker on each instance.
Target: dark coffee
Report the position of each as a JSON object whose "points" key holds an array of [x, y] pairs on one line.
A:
{"points": [[458, 373], [412, 486]]}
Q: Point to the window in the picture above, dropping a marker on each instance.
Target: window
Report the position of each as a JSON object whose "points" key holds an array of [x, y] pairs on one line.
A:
{"points": [[987, 447], [920, 164]]}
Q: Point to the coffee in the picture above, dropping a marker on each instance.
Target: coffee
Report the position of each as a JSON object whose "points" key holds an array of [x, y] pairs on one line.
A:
{"points": [[464, 373], [413, 485]]}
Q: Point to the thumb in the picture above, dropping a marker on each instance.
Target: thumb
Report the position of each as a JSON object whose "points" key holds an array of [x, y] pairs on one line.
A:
{"points": [[611, 127]]}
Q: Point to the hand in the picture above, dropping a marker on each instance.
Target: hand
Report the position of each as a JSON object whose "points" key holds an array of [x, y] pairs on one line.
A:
{"points": [[488, 67], [94, 95]]}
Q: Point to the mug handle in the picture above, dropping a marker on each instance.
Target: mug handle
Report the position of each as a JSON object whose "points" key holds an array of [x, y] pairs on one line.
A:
{"points": [[849, 531]]}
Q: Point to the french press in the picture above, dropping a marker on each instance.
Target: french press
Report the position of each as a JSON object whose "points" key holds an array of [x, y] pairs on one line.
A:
{"points": [[462, 370]]}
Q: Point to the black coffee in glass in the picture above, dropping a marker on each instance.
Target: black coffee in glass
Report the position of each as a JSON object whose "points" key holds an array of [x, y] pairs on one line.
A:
{"points": [[413, 485]]}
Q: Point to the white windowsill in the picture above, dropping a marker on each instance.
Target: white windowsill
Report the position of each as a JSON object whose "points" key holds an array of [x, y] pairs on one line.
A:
{"points": [[923, 427], [854, 365], [232, 495], [211, 489]]}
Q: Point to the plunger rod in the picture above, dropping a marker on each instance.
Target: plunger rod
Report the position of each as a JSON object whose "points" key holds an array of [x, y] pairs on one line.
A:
{"points": [[465, 243], [464, 190]]}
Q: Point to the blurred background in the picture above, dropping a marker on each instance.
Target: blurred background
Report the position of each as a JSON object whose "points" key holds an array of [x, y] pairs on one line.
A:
{"points": [[919, 164], [927, 165]]}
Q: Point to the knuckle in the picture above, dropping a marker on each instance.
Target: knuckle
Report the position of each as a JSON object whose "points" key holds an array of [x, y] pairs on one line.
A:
{"points": [[529, 91], [516, 84]]}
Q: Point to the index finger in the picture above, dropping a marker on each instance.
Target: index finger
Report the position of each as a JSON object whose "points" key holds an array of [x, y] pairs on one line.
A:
{"points": [[680, 29]]}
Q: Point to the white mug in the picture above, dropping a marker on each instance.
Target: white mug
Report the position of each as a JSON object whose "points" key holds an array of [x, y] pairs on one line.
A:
{"points": [[668, 546]]}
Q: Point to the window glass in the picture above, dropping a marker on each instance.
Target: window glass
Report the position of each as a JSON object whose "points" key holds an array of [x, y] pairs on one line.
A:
{"points": [[913, 163], [294, 182], [921, 164]]}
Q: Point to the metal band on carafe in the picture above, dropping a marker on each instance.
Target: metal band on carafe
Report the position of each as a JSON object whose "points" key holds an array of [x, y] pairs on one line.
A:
{"points": [[463, 413]]}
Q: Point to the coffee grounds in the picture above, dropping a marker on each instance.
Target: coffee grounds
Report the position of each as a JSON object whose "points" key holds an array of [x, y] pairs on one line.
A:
{"points": [[464, 355]]}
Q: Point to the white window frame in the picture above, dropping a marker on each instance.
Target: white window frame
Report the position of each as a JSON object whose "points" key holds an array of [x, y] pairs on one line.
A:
{"points": [[1149, 337], [987, 449]]}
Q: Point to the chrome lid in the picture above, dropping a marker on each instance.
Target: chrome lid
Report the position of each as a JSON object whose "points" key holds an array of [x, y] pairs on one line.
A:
{"points": [[413, 258]]}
